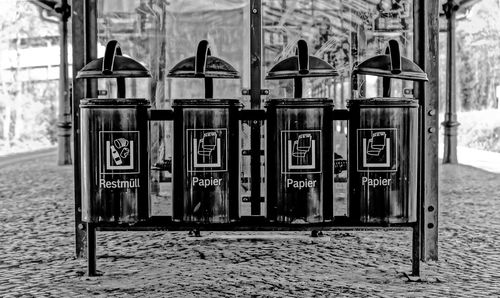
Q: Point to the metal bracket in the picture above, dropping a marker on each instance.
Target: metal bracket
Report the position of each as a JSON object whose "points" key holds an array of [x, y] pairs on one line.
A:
{"points": [[252, 115], [249, 152], [340, 114], [248, 91], [161, 115], [247, 199]]}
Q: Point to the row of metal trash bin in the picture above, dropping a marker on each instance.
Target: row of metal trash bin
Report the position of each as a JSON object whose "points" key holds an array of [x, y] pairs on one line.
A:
{"points": [[382, 148]]}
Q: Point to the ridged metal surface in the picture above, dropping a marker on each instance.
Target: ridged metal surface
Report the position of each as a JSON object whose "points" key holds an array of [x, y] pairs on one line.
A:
{"points": [[216, 199], [311, 203], [396, 200], [120, 204]]}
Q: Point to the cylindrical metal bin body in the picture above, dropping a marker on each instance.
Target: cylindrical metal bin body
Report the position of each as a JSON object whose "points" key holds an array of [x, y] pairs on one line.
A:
{"points": [[114, 160], [299, 160], [383, 149], [206, 160]]}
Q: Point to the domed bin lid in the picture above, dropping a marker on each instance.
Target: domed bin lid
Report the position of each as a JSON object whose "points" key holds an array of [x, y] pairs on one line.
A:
{"points": [[215, 68], [391, 65], [203, 65], [301, 66], [113, 65]]}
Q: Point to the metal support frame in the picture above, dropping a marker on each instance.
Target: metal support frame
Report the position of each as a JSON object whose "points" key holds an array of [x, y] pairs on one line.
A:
{"points": [[91, 250], [450, 123], [84, 32], [255, 100], [424, 238], [426, 55], [64, 121], [245, 223]]}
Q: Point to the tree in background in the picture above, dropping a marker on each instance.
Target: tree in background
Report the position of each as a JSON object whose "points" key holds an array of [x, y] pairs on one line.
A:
{"points": [[27, 110], [467, 79], [478, 55]]}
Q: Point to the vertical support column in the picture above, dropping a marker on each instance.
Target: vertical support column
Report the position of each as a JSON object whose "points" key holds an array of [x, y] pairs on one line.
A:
{"points": [[78, 93], [84, 32], [90, 42], [255, 99], [91, 250], [64, 123], [426, 55], [415, 268], [450, 123]]}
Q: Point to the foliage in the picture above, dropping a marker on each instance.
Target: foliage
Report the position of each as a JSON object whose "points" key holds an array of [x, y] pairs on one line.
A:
{"points": [[479, 129], [478, 39], [27, 107]]}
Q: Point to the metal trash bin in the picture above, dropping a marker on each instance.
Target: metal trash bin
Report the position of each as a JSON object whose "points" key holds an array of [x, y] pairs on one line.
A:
{"points": [[206, 146], [383, 145], [299, 153], [114, 145]]}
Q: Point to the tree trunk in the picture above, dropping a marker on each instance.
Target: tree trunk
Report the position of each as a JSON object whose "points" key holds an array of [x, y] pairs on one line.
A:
{"points": [[18, 93], [7, 123]]}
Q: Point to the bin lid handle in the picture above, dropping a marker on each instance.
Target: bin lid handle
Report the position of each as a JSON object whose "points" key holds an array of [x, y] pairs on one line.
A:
{"points": [[393, 51], [112, 50], [303, 53], [200, 65]]}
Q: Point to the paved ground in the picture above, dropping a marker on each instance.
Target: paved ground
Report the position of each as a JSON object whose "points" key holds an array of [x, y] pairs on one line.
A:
{"points": [[37, 245]]}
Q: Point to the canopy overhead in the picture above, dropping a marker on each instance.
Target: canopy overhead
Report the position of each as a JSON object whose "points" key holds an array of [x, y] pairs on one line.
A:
{"points": [[463, 6]]}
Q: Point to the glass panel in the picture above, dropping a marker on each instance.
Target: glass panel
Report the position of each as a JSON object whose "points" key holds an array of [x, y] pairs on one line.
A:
{"points": [[342, 32], [161, 33]]}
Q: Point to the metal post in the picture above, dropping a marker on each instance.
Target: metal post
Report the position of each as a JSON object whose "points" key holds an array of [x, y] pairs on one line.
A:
{"points": [[426, 54], [64, 123], [84, 32], [78, 92], [415, 262], [255, 98], [90, 42], [91, 250], [450, 123]]}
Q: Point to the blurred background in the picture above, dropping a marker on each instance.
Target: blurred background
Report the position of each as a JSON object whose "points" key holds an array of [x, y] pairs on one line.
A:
{"points": [[29, 77], [30, 36]]}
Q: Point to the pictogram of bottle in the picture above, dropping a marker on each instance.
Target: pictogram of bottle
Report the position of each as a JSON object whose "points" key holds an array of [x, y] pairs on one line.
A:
{"points": [[116, 155]]}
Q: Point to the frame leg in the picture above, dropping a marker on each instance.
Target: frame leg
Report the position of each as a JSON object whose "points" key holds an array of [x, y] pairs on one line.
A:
{"points": [[91, 250], [415, 270]]}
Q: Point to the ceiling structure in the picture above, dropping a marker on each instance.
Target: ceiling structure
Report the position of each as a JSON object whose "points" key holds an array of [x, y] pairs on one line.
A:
{"points": [[463, 4], [463, 8]]}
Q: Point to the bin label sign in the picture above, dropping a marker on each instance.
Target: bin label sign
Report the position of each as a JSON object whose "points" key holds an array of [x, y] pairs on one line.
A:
{"points": [[377, 150], [119, 152], [206, 150], [300, 151]]}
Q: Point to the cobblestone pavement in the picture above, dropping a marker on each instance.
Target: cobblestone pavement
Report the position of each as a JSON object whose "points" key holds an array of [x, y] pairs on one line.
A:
{"points": [[37, 247]]}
